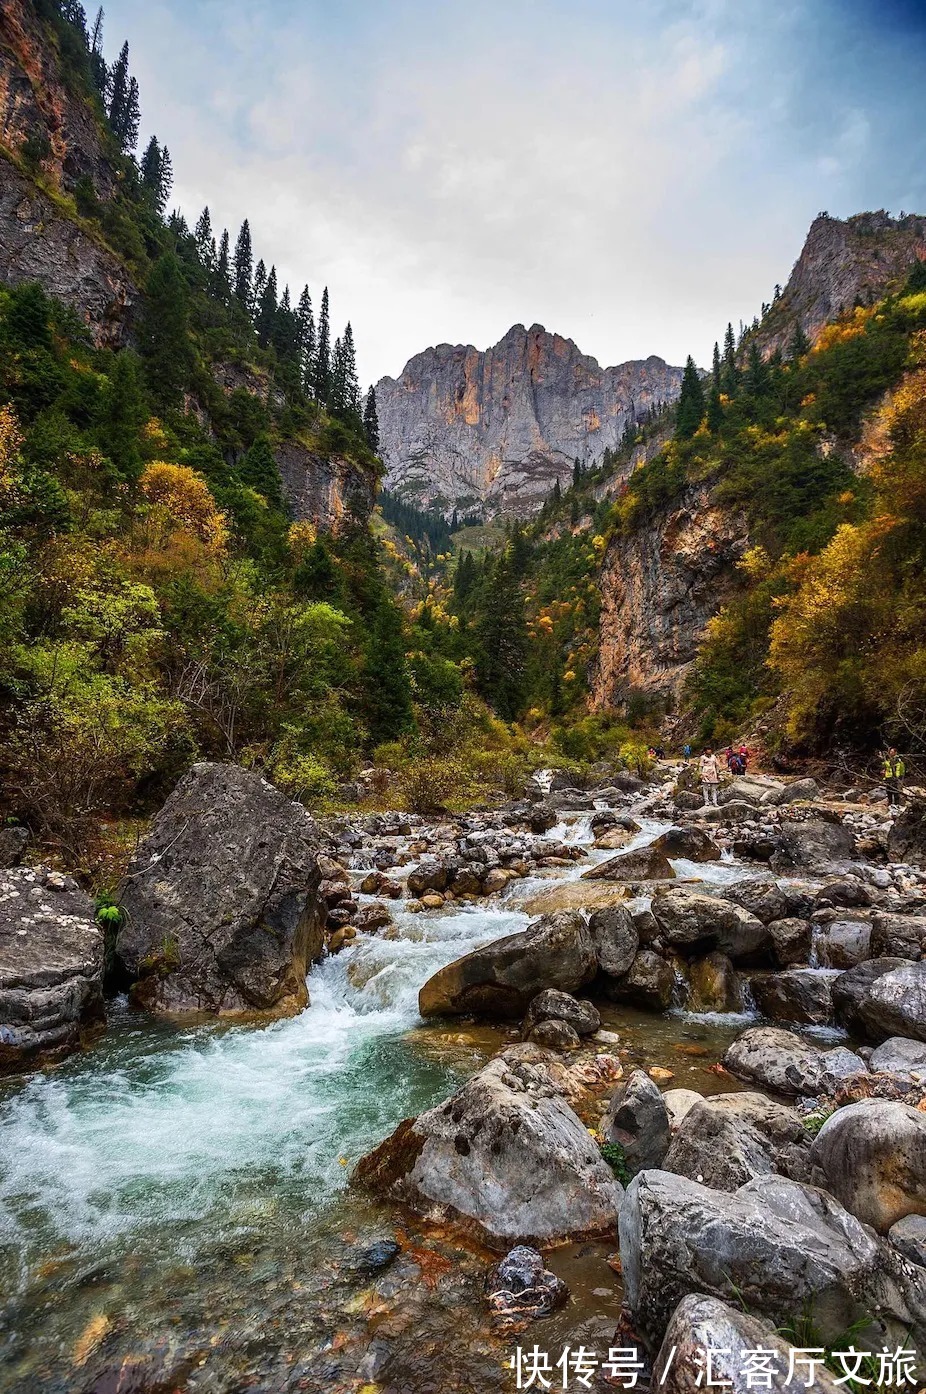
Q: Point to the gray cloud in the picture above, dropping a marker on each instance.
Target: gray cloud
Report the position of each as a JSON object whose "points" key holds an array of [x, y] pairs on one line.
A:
{"points": [[629, 176]]}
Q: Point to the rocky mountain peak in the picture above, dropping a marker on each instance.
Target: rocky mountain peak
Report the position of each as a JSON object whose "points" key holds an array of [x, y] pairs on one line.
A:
{"points": [[843, 262], [493, 430]]}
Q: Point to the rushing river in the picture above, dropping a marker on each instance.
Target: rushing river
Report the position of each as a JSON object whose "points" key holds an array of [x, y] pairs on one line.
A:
{"points": [[181, 1180]]}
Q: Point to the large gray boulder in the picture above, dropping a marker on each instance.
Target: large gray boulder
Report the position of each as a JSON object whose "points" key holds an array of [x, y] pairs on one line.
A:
{"points": [[909, 1236], [851, 989], [775, 1247], [814, 845], [638, 1121], [616, 939], [788, 1064], [701, 1324], [694, 923], [770, 900], [640, 864], [51, 967], [220, 911], [873, 1155], [799, 790], [13, 843], [842, 943], [895, 1004], [803, 995], [505, 1156], [791, 941], [717, 1149], [907, 839], [500, 979]]}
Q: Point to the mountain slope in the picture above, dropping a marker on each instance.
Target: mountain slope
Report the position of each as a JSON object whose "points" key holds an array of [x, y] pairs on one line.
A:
{"points": [[494, 430]]}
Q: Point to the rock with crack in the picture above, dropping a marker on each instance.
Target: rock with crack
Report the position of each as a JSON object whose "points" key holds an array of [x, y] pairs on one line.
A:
{"points": [[803, 995], [725, 1141], [500, 979], [775, 1247], [51, 967], [551, 1005], [519, 1285], [505, 1157], [700, 1324], [220, 903], [616, 939]]}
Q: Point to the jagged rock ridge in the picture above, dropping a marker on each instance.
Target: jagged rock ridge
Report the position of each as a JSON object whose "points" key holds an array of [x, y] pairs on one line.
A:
{"points": [[493, 430], [843, 262]]}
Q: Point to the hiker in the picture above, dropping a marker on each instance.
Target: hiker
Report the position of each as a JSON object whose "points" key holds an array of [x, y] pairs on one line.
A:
{"points": [[732, 761], [686, 752], [744, 759], [710, 777], [894, 771]]}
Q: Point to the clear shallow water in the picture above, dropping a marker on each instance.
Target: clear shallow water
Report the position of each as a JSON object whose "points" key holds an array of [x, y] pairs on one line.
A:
{"points": [[174, 1179]]}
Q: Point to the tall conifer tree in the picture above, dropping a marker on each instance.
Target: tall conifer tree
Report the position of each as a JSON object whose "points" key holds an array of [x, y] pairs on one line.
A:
{"points": [[244, 261]]}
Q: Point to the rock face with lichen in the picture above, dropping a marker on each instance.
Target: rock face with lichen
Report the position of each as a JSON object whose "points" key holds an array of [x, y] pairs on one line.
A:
{"points": [[492, 431], [327, 490]]}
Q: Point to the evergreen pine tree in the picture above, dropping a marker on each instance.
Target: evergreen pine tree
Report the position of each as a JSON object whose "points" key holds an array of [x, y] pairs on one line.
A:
{"points": [[166, 181], [265, 309], [756, 379], [284, 334], [205, 242], [321, 377], [501, 634], [728, 372], [690, 402], [557, 491], [716, 375], [163, 336], [388, 693], [336, 380], [259, 286], [714, 411], [222, 276], [150, 167], [243, 264], [123, 413], [371, 427], [916, 281], [118, 90], [576, 474], [350, 388], [800, 344], [305, 337], [99, 72], [259, 470]]}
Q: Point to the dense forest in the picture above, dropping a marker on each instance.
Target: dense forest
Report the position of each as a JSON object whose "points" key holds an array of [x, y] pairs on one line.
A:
{"points": [[159, 600]]}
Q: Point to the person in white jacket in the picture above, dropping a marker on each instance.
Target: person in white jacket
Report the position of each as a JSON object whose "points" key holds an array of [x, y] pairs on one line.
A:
{"points": [[710, 776]]}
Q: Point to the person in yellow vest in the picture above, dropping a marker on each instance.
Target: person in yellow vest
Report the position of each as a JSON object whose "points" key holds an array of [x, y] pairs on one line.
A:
{"points": [[894, 771]]}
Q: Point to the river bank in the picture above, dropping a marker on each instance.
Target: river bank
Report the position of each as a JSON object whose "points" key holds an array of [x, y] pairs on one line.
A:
{"points": [[175, 1204]]}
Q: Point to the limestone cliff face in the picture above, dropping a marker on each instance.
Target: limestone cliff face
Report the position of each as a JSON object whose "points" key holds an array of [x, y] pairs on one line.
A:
{"points": [[843, 262], [36, 99], [38, 243], [494, 430], [659, 587], [327, 490]]}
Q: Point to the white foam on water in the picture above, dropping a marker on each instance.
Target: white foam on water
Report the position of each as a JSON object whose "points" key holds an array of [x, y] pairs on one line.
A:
{"points": [[155, 1127]]}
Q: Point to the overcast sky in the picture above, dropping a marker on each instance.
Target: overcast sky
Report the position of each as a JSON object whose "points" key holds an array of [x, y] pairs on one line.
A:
{"points": [[630, 173]]}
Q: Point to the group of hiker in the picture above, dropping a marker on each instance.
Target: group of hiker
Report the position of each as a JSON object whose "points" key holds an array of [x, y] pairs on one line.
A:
{"points": [[737, 762]]}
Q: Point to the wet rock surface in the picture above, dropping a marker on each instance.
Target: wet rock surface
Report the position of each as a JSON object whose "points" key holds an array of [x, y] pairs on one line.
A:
{"points": [[505, 1155], [520, 1286], [51, 967]]}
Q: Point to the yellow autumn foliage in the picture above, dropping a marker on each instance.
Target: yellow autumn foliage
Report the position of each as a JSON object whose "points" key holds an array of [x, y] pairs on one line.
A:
{"points": [[182, 498]]}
